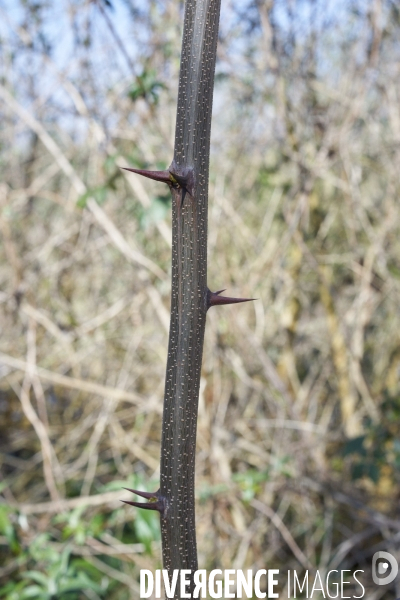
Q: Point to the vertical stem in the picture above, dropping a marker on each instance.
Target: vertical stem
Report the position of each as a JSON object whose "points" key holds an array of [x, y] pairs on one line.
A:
{"points": [[189, 283]]}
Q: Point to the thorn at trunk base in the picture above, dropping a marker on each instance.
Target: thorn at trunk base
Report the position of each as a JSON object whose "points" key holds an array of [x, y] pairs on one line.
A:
{"points": [[214, 299], [157, 502]]}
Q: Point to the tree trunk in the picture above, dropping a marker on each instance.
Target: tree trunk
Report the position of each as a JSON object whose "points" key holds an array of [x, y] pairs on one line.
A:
{"points": [[189, 282], [190, 299]]}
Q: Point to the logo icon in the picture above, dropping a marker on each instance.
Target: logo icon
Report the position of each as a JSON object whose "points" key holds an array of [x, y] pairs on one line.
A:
{"points": [[384, 568]]}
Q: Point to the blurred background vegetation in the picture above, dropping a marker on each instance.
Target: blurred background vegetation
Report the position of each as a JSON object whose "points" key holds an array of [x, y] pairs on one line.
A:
{"points": [[298, 443]]}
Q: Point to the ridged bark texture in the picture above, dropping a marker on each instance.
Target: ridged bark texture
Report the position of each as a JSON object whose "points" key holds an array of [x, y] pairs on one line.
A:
{"points": [[189, 284]]}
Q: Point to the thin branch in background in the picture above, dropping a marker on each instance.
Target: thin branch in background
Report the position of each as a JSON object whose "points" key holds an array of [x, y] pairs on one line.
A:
{"points": [[40, 429], [118, 41]]}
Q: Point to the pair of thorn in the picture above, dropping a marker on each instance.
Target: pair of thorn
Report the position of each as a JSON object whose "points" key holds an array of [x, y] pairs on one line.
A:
{"points": [[156, 501]]}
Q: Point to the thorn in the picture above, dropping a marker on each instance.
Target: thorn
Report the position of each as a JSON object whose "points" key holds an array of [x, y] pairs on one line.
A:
{"points": [[183, 181], [163, 176], [157, 502], [159, 505], [184, 192], [214, 299], [147, 495]]}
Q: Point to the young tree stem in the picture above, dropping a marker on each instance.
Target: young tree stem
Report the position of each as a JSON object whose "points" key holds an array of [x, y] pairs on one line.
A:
{"points": [[189, 283]]}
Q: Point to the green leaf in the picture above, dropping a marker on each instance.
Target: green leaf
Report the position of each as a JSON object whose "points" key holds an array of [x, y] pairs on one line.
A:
{"points": [[81, 565], [7, 528], [207, 492], [98, 193], [34, 591], [156, 212], [250, 482], [146, 86], [82, 200], [146, 526], [109, 164], [37, 576], [355, 446], [394, 270], [143, 532], [12, 590], [4, 484], [79, 583], [365, 469]]}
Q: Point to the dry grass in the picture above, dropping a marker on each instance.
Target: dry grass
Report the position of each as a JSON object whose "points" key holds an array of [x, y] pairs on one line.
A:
{"points": [[304, 216]]}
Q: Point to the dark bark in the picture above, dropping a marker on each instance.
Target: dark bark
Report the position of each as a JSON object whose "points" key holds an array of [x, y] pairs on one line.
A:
{"points": [[189, 283], [190, 298]]}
